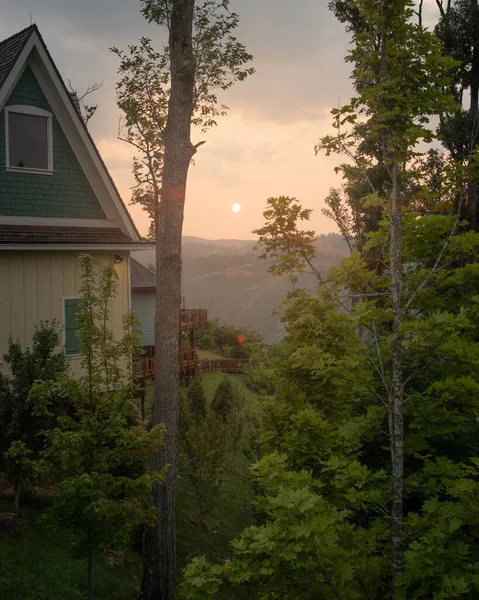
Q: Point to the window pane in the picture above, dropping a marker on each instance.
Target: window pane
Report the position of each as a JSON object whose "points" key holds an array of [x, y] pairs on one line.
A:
{"points": [[28, 141], [72, 343]]}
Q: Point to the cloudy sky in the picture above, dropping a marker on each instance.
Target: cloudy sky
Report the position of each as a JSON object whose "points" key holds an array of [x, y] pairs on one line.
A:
{"points": [[263, 148]]}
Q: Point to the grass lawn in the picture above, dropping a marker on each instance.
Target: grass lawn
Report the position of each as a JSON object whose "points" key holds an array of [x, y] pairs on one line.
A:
{"points": [[212, 380], [209, 354], [37, 563], [233, 512]]}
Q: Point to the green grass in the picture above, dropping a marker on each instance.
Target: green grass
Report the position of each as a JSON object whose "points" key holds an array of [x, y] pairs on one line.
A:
{"points": [[212, 380], [233, 512], [209, 354], [37, 563]]}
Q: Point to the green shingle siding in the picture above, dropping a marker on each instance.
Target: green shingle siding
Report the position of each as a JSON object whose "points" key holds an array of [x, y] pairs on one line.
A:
{"points": [[66, 193], [72, 344]]}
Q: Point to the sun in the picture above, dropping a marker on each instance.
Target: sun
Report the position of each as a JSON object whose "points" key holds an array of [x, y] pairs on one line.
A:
{"points": [[236, 207]]}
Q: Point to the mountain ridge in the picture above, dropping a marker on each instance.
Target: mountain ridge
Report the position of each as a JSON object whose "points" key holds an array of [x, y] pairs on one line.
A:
{"points": [[228, 278]]}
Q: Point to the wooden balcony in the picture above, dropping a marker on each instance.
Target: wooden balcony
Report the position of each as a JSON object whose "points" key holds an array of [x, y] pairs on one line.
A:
{"points": [[188, 362], [193, 319]]}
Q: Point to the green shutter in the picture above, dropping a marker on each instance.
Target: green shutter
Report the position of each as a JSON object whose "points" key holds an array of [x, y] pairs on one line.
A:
{"points": [[72, 343]]}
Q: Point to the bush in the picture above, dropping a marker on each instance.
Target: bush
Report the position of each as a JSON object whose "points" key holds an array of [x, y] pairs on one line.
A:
{"points": [[196, 399], [203, 448], [262, 379], [223, 399]]}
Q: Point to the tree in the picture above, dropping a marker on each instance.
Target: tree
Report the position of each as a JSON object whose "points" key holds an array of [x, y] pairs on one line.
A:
{"points": [[86, 110], [223, 399], [417, 85], [162, 95], [20, 428], [239, 342], [237, 419], [458, 28], [196, 399], [324, 480], [398, 307], [95, 458], [203, 445]]}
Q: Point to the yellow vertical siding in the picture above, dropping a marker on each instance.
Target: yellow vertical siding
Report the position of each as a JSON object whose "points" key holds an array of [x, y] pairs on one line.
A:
{"points": [[32, 288]]}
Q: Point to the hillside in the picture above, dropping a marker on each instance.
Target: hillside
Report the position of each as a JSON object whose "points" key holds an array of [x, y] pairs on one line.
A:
{"points": [[228, 278]]}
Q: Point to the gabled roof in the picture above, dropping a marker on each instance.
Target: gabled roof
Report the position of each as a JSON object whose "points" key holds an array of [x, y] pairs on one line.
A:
{"points": [[26, 47], [142, 279], [28, 234], [10, 50]]}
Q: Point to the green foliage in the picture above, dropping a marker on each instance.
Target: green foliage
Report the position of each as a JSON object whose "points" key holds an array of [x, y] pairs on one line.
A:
{"points": [[458, 29], [37, 563], [290, 247], [143, 90], [20, 425], [326, 428], [329, 472], [203, 445], [223, 399], [196, 399], [261, 378], [44, 361], [95, 458], [304, 549], [229, 340], [238, 418]]}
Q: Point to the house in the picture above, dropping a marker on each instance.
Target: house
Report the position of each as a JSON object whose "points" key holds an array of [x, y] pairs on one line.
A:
{"points": [[143, 302], [57, 200]]}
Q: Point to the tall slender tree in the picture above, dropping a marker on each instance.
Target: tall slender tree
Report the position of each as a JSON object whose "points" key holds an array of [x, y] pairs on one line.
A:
{"points": [[162, 96], [399, 75], [404, 70]]}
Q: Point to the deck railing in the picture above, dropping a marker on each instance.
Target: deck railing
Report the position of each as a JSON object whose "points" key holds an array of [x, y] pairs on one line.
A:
{"points": [[225, 365], [189, 363], [188, 360], [193, 319]]}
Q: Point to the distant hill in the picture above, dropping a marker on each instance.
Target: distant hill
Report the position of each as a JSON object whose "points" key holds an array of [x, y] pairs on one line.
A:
{"points": [[228, 278]]}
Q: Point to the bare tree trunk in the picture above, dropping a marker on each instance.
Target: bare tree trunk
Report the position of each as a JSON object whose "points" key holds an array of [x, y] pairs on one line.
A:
{"points": [[159, 544], [396, 396], [473, 112], [396, 403], [90, 563], [16, 497]]}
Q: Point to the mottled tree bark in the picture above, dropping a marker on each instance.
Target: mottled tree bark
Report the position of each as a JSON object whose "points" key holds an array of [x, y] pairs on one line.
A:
{"points": [[159, 549], [396, 395], [396, 400], [473, 112], [90, 563], [16, 497]]}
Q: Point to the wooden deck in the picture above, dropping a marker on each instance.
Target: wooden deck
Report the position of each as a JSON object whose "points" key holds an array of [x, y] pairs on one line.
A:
{"points": [[189, 364], [224, 365], [193, 319]]}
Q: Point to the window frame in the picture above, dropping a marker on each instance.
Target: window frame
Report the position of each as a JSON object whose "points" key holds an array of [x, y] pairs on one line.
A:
{"points": [[64, 328], [35, 112]]}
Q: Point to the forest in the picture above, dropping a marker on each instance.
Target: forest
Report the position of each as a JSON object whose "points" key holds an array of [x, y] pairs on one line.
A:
{"points": [[343, 464]]}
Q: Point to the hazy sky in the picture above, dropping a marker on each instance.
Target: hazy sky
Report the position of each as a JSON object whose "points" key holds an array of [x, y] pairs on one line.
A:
{"points": [[263, 148]]}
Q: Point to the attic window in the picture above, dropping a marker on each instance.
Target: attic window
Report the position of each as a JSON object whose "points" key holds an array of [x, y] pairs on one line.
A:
{"points": [[28, 139]]}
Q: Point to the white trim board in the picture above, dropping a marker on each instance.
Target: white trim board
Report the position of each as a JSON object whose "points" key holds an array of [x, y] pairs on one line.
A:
{"points": [[22, 109]]}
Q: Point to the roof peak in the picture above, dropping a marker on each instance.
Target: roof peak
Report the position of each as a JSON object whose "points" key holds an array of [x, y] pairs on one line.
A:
{"points": [[11, 48], [11, 51], [21, 32]]}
